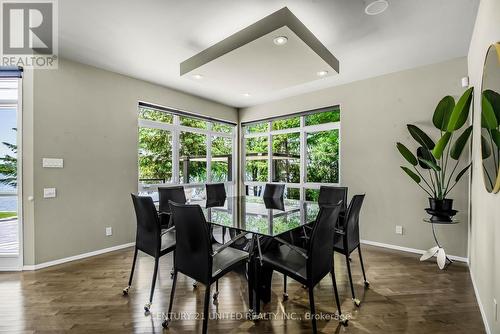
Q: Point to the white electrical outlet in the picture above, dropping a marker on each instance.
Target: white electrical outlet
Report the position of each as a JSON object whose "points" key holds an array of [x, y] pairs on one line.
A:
{"points": [[109, 231], [399, 229], [49, 192]]}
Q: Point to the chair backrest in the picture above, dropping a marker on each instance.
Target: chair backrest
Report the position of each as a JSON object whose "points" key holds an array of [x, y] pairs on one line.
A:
{"points": [[351, 223], [332, 195], [193, 248], [216, 194], [174, 194], [274, 190], [320, 247], [274, 203], [148, 236]]}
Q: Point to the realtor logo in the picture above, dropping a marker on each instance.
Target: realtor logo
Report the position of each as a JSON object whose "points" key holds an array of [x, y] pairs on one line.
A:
{"points": [[28, 34]]}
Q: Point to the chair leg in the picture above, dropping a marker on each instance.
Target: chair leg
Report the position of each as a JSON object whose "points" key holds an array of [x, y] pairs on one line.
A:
{"points": [[367, 284], [205, 309], [167, 320], [356, 301], [153, 283], [172, 271], [216, 293], [125, 291], [285, 294], [342, 319], [313, 308]]}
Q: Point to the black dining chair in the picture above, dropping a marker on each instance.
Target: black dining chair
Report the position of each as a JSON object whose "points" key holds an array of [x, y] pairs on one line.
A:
{"points": [[347, 239], [195, 256], [309, 266], [216, 194], [149, 239], [273, 190], [216, 197], [332, 195], [175, 194]]}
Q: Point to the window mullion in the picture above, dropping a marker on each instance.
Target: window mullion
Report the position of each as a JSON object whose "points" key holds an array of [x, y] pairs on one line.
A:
{"points": [[175, 150], [303, 152], [209, 139], [269, 154]]}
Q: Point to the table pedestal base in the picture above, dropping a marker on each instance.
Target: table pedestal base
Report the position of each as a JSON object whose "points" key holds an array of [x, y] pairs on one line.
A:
{"points": [[443, 261]]}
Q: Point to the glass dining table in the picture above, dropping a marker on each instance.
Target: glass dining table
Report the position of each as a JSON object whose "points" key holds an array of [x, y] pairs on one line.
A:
{"points": [[258, 221]]}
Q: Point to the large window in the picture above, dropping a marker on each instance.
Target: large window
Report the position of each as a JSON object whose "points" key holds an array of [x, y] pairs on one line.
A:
{"points": [[175, 147], [302, 151]]}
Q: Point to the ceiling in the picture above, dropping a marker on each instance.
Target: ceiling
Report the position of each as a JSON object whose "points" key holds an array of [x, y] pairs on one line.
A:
{"points": [[148, 39]]}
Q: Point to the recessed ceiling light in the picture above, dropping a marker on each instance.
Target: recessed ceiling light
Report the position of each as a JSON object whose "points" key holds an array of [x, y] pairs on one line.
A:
{"points": [[376, 7], [246, 95], [321, 73], [280, 40], [197, 76]]}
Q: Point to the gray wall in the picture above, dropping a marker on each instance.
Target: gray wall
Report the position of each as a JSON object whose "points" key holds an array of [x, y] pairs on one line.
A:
{"points": [[485, 218], [88, 117], [374, 114]]}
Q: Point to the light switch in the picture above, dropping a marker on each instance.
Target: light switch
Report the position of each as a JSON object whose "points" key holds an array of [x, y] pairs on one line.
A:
{"points": [[52, 163], [109, 231], [49, 192]]}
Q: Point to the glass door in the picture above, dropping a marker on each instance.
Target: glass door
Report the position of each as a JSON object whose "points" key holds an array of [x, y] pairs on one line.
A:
{"points": [[10, 208]]}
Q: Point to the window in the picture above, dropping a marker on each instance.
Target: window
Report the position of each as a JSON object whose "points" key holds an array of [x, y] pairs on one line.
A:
{"points": [[302, 151], [174, 147], [256, 167], [155, 156]]}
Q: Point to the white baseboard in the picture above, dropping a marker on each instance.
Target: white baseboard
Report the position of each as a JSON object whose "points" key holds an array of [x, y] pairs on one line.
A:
{"points": [[481, 308], [76, 257], [410, 250]]}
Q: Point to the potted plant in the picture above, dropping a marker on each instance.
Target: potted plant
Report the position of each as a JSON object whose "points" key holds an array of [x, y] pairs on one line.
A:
{"points": [[439, 160]]}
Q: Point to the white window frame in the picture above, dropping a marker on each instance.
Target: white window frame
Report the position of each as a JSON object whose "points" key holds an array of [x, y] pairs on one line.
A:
{"points": [[303, 130], [175, 130]]}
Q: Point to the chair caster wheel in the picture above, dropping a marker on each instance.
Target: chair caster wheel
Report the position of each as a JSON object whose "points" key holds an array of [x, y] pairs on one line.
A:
{"points": [[165, 323], [147, 307], [356, 302], [367, 284], [304, 286], [195, 284], [285, 296], [171, 274], [343, 320], [125, 291]]}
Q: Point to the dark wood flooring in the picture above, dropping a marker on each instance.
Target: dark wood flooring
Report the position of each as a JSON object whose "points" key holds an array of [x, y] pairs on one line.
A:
{"points": [[405, 296]]}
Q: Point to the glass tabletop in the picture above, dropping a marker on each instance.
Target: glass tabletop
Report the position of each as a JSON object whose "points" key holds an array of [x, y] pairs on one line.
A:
{"points": [[261, 216]]}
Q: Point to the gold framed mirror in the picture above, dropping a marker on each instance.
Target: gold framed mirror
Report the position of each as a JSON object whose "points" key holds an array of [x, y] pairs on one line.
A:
{"points": [[490, 119]]}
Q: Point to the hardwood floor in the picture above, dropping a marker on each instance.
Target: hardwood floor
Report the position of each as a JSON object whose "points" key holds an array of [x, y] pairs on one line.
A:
{"points": [[405, 296]]}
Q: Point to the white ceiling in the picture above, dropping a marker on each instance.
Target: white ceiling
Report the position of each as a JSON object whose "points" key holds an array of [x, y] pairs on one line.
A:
{"points": [[148, 39], [261, 67]]}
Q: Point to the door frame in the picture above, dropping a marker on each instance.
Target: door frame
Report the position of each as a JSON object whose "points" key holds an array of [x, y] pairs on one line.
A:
{"points": [[11, 262]]}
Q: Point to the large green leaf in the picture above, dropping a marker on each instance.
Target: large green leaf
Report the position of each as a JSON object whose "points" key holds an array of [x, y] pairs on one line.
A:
{"points": [[420, 136], [485, 148], [488, 118], [411, 174], [495, 135], [461, 111], [458, 146], [462, 172], [407, 154], [443, 112], [431, 164], [494, 99], [437, 152], [425, 154]]}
